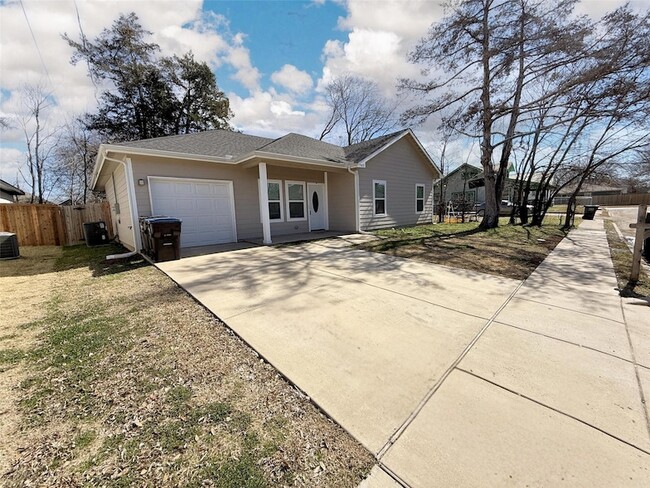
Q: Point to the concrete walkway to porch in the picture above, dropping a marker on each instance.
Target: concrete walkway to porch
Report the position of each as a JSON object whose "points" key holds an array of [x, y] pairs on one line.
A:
{"points": [[554, 391]]}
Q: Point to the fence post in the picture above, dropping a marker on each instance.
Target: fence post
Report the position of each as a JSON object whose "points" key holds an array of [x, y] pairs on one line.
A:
{"points": [[641, 228]]}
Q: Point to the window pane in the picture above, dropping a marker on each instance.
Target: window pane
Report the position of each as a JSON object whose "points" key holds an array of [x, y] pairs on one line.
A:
{"points": [[274, 210], [420, 205], [380, 190], [295, 192], [380, 206], [296, 210], [274, 191], [420, 192]]}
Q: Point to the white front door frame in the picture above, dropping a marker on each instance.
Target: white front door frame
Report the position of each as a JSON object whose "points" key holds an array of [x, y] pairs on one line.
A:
{"points": [[323, 204]]}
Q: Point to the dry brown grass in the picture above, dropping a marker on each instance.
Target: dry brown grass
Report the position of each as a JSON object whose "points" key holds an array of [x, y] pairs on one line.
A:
{"points": [[622, 260], [513, 251], [133, 383]]}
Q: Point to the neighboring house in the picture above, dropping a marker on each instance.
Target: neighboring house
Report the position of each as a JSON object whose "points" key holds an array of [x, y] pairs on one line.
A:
{"points": [[511, 187], [9, 193], [590, 190], [212, 181], [455, 187]]}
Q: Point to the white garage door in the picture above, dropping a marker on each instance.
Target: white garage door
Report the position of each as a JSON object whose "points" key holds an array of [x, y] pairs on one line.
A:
{"points": [[206, 208]]}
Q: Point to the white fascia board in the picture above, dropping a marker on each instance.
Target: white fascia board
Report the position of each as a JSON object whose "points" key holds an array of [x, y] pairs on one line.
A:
{"points": [[293, 159], [138, 151], [99, 162]]}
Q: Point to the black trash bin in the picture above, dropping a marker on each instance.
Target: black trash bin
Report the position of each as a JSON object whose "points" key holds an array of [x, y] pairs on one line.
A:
{"points": [[165, 236], [96, 233], [590, 212]]}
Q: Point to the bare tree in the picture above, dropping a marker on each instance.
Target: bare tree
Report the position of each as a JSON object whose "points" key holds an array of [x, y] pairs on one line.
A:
{"points": [[75, 156], [356, 104], [39, 139], [487, 53]]}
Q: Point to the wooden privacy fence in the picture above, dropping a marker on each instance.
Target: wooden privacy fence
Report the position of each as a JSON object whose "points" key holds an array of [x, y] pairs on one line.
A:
{"points": [[623, 199], [52, 225]]}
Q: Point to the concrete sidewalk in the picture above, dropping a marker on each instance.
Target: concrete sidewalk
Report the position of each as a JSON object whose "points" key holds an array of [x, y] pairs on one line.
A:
{"points": [[552, 391]]}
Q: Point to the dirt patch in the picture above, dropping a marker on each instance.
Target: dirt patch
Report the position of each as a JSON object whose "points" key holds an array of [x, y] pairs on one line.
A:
{"points": [[27, 283], [133, 383]]}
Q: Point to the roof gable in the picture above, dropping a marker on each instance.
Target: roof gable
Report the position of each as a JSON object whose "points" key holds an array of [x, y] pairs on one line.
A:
{"points": [[306, 147]]}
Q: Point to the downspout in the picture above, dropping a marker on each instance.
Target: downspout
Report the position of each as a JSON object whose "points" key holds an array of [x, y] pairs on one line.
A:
{"points": [[128, 174], [356, 198]]}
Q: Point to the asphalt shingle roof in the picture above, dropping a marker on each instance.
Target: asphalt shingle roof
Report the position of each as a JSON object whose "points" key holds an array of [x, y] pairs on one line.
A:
{"points": [[218, 143], [222, 143], [358, 152], [11, 189], [305, 147]]}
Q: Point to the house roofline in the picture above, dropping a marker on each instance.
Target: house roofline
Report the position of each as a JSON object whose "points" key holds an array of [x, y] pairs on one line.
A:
{"points": [[104, 149], [398, 137]]}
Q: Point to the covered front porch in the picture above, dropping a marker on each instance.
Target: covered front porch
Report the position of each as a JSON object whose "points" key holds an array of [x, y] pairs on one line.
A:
{"points": [[299, 201]]}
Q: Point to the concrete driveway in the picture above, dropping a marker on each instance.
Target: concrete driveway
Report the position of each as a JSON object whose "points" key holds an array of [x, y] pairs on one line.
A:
{"points": [[382, 344]]}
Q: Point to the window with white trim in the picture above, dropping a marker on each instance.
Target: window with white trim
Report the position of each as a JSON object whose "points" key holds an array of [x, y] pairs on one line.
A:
{"points": [[275, 200], [295, 195], [419, 198], [379, 197]]}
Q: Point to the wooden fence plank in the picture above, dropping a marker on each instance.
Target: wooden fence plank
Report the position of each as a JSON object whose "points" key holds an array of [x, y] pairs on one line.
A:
{"points": [[623, 199], [52, 225]]}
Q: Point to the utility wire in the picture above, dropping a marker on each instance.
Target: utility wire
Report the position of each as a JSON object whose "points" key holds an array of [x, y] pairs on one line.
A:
{"points": [[36, 43]]}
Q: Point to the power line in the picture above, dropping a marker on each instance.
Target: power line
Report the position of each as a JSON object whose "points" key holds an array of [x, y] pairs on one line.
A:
{"points": [[35, 43]]}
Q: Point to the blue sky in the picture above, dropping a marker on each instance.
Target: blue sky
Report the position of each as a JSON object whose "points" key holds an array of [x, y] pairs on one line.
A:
{"points": [[271, 58], [281, 32]]}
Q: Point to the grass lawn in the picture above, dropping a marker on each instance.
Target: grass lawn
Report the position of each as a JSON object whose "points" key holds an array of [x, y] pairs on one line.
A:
{"points": [[111, 375], [513, 251], [562, 209], [622, 259]]}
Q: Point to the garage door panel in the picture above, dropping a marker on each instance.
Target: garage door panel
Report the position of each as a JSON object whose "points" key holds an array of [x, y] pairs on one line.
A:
{"points": [[205, 207]]}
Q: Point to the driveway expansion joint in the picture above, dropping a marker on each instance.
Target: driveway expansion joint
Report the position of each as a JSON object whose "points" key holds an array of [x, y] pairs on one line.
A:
{"points": [[548, 336], [572, 417], [571, 310], [636, 371], [409, 420]]}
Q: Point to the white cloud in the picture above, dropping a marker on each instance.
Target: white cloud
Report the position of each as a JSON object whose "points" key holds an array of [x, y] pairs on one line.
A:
{"points": [[270, 114], [246, 73], [292, 79], [11, 159], [176, 26]]}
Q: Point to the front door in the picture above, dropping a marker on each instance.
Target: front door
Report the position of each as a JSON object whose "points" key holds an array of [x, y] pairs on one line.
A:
{"points": [[317, 206]]}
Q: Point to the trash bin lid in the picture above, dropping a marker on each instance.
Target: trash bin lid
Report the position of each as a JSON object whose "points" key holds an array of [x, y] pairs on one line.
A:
{"points": [[163, 220]]}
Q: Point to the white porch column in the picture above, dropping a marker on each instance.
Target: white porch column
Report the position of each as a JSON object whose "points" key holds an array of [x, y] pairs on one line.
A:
{"points": [[327, 202], [264, 204]]}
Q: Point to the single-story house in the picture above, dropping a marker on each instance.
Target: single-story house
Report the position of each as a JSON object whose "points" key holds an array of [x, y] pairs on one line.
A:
{"points": [[227, 186], [455, 188], [591, 190], [9, 193]]}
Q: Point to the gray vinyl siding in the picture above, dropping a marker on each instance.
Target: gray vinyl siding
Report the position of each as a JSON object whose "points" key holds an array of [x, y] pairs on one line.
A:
{"points": [[244, 186], [245, 189], [401, 166], [342, 210], [123, 220]]}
